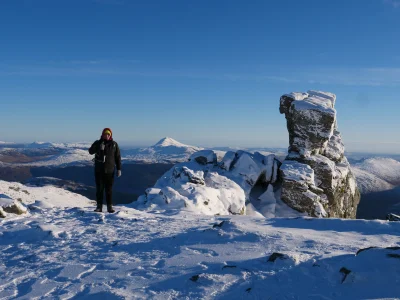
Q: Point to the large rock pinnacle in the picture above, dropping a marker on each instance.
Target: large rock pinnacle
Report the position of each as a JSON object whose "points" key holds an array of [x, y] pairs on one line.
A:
{"points": [[316, 176]]}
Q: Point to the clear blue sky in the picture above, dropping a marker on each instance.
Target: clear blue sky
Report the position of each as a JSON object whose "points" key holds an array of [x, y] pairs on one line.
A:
{"points": [[205, 72]]}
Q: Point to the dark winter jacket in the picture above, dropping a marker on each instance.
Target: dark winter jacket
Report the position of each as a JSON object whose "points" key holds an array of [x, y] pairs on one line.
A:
{"points": [[105, 161]]}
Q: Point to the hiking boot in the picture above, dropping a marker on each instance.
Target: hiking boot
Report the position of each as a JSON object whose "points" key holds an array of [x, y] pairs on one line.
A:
{"points": [[98, 209], [110, 210]]}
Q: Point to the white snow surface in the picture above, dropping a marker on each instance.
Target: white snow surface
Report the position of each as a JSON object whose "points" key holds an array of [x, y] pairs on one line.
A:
{"points": [[315, 103], [295, 171], [326, 95], [298, 96], [74, 253]]}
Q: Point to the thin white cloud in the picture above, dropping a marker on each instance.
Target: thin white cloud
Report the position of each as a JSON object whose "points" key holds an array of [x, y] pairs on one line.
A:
{"points": [[373, 77], [352, 76], [87, 68]]}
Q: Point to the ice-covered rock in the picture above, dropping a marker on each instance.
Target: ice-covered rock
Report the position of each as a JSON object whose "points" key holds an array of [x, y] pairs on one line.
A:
{"points": [[316, 177]]}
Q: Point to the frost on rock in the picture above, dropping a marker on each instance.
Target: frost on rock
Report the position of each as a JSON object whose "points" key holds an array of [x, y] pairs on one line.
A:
{"points": [[314, 141], [335, 148], [297, 185]]}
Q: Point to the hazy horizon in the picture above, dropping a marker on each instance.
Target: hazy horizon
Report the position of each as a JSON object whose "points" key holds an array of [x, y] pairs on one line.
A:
{"points": [[130, 144]]}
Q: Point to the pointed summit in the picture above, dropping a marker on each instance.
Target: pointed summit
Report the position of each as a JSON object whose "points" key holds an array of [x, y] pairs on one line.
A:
{"points": [[167, 142], [167, 150]]}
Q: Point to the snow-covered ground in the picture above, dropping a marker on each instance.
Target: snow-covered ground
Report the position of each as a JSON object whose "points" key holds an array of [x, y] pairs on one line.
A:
{"points": [[31, 195], [63, 250]]}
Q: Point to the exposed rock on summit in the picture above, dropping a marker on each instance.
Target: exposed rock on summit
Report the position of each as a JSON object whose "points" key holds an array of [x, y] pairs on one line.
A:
{"points": [[316, 176]]}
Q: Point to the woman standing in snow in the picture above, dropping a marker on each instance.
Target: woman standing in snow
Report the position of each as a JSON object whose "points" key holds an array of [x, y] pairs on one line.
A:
{"points": [[107, 156]]}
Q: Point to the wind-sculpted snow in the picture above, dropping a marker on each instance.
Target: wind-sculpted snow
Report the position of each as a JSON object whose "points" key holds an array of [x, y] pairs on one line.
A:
{"points": [[316, 144], [74, 253]]}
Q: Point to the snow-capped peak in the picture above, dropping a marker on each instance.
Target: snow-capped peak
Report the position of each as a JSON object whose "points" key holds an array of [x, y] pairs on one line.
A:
{"points": [[167, 142]]}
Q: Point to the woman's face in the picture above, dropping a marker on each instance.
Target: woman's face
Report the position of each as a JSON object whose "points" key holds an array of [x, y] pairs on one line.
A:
{"points": [[106, 136]]}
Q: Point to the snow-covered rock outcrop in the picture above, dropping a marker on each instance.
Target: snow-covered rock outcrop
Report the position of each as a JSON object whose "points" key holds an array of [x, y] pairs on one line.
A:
{"points": [[10, 206], [316, 176], [204, 185]]}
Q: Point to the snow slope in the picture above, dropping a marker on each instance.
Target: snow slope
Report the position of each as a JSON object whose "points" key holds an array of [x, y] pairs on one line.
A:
{"points": [[65, 253], [368, 183], [66, 157], [385, 168], [377, 174]]}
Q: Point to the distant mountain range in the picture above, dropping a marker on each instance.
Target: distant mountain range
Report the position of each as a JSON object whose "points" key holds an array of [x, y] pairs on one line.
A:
{"points": [[377, 174], [373, 174]]}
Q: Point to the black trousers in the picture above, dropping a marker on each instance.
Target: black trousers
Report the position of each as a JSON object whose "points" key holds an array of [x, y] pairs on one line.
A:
{"points": [[104, 181]]}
